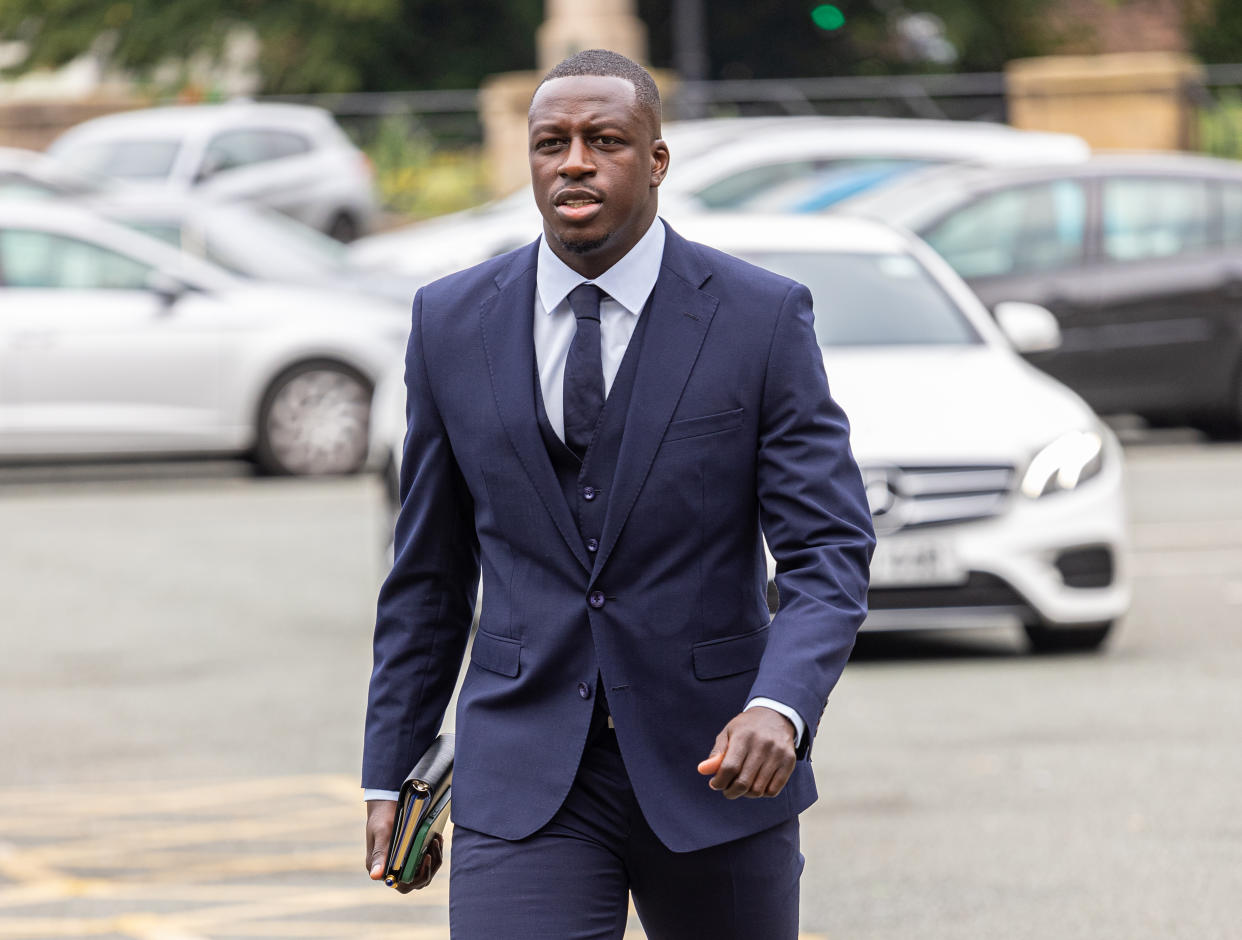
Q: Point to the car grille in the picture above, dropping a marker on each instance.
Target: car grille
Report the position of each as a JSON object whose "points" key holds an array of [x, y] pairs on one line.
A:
{"points": [[903, 498]]}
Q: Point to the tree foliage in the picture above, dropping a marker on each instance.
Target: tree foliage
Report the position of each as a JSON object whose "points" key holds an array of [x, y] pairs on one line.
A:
{"points": [[780, 40], [307, 45], [381, 45], [1216, 30]]}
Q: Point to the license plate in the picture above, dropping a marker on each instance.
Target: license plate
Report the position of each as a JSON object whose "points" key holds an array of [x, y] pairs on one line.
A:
{"points": [[911, 562]]}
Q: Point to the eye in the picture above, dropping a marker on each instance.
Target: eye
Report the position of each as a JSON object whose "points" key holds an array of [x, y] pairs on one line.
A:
{"points": [[609, 141], [547, 143]]}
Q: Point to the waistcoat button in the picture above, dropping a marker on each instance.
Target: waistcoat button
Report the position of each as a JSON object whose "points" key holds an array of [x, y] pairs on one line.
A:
{"points": [[584, 690], [592, 545]]}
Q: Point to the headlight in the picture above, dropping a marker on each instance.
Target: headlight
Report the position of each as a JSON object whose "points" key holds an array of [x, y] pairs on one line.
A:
{"points": [[1063, 464]]}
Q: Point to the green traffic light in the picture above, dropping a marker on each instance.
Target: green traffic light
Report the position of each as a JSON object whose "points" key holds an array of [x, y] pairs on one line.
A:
{"points": [[826, 16]]}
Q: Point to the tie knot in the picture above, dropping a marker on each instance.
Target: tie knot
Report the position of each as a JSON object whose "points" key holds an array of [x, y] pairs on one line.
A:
{"points": [[584, 301]]}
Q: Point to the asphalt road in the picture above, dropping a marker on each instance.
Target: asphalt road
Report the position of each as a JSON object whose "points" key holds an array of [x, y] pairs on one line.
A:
{"points": [[185, 656]]}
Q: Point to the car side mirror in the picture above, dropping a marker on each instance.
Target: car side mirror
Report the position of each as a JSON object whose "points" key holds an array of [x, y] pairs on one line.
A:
{"points": [[1030, 328], [166, 287]]}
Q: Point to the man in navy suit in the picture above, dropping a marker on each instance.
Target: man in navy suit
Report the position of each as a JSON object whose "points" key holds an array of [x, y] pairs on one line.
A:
{"points": [[607, 422]]}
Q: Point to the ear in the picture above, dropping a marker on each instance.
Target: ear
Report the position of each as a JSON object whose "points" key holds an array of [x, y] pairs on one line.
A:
{"points": [[659, 162]]}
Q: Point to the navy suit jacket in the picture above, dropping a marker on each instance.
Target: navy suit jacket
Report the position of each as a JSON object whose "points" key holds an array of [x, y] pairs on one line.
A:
{"points": [[730, 427]]}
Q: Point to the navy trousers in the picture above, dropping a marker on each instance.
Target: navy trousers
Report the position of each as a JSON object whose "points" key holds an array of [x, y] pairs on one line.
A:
{"points": [[572, 879]]}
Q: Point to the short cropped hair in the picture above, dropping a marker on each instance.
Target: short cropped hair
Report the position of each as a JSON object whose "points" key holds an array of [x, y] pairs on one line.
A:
{"points": [[609, 64]]}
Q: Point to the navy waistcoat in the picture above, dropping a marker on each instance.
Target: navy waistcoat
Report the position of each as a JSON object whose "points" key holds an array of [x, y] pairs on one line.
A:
{"points": [[587, 484]]}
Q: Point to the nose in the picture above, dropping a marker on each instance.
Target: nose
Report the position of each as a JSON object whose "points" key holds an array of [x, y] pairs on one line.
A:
{"points": [[577, 161]]}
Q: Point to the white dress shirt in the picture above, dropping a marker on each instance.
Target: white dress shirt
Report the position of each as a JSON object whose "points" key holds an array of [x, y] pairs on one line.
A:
{"points": [[627, 285]]}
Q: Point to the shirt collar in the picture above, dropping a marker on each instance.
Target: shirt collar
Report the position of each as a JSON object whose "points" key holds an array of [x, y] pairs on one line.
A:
{"points": [[629, 282]]}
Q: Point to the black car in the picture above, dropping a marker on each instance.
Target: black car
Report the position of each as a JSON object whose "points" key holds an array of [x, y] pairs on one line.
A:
{"points": [[1139, 257]]}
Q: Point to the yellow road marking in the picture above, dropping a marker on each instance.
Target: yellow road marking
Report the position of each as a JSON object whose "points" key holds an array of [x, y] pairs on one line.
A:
{"points": [[238, 857], [135, 839], [125, 799]]}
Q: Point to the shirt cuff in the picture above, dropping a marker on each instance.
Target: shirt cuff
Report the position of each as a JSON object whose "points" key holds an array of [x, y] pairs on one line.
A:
{"points": [[381, 794], [793, 716]]}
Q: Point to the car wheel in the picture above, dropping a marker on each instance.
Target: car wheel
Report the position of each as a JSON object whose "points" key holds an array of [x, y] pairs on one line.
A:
{"points": [[314, 421], [1053, 639], [343, 227]]}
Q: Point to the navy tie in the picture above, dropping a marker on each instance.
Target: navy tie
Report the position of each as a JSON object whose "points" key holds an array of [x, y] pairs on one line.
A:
{"points": [[584, 370]]}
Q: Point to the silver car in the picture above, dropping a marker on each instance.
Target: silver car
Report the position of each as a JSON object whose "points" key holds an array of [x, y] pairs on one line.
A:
{"points": [[113, 343], [291, 158]]}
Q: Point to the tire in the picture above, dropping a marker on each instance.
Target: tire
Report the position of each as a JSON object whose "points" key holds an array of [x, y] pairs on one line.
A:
{"points": [[314, 421], [1084, 639], [343, 227]]}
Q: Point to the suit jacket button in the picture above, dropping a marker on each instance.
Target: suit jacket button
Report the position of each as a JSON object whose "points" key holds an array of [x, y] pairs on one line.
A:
{"points": [[592, 545], [584, 690], [596, 599], [588, 493]]}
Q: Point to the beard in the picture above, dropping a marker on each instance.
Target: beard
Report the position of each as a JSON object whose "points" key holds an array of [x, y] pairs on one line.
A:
{"points": [[583, 246]]}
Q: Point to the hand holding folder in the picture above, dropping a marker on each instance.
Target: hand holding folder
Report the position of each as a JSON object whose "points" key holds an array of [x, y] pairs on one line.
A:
{"points": [[421, 811]]}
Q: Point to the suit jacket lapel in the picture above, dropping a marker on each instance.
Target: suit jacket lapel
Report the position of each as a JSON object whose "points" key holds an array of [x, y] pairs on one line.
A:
{"points": [[509, 343], [680, 315]]}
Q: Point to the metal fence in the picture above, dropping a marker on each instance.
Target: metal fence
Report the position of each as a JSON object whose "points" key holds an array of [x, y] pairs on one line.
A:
{"points": [[451, 118]]}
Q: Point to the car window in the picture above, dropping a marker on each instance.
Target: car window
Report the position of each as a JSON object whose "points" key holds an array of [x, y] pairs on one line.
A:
{"points": [[127, 159], [733, 190], [233, 149], [1231, 211], [873, 299], [1155, 218], [166, 232], [44, 259], [280, 144], [827, 186], [1023, 229]]}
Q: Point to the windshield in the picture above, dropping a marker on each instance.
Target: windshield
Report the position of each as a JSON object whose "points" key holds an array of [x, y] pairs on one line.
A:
{"points": [[262, 243], [827, 187], [872, 299], [126, 159]]}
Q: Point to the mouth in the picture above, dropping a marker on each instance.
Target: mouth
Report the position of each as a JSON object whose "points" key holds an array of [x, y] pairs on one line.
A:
{"points": [[577, 205]]}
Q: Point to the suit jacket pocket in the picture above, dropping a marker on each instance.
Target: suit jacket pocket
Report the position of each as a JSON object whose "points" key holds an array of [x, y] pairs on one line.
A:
{"points": [[730, 656], [704, 424], [496, 653]]}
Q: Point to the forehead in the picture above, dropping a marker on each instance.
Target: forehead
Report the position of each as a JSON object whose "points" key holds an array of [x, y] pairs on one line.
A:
{"points": [[584, 97]]}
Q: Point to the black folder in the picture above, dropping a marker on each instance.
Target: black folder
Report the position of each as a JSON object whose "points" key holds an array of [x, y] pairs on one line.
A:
{"points": [[422, 811]]}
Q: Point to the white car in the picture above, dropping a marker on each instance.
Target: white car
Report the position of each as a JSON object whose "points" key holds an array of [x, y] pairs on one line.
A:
{"points": [[723, 165], [28, 174], [292, 158], [995, 491], [115, 344], [250, 241]]}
